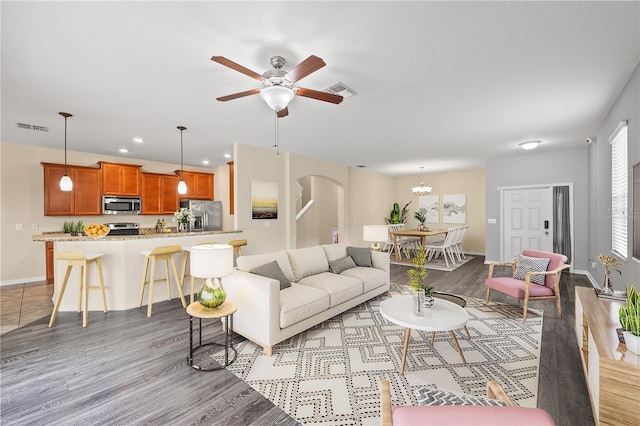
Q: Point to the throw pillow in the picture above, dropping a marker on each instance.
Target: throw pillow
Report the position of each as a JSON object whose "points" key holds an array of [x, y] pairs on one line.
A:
{"points": [[272, 270], [531, 264], [434, 396], [360, 255], [339, 265]]}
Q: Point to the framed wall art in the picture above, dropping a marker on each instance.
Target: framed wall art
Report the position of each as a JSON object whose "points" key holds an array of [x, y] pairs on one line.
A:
{"points": [[454, 208], [431, 205], [264, 200]]}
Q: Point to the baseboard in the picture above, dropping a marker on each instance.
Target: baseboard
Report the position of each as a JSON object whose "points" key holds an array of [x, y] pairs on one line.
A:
{"points": [[22, 280]]}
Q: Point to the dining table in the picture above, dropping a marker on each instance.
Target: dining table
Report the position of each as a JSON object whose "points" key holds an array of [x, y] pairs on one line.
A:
{"points": [[414, 233]]}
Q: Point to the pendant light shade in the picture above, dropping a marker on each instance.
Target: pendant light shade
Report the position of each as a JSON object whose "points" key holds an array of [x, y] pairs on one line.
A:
{"points": [[65, 182], [182, 187], [277, 97]]}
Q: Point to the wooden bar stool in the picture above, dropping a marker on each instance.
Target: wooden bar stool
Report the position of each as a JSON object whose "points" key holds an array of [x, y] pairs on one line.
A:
{"points": [[160, 253], [185, 262], [83, 260]]}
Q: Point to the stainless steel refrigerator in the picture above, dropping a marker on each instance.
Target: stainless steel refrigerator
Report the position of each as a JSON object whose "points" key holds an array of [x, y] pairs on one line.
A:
{"points": [[208, 214]]}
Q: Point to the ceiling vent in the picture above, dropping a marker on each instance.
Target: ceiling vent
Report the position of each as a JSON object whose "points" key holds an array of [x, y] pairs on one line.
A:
{"points": [[341, 89], [32, 127]]}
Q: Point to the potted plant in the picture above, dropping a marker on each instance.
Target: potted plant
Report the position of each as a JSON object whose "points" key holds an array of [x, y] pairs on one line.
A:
{"points": [[417, 276], [421, 216], [630, 320], [397, 215]]}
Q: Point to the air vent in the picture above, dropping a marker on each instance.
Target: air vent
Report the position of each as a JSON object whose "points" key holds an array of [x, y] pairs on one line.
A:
{"points": [[32, 127], [341, 89]]}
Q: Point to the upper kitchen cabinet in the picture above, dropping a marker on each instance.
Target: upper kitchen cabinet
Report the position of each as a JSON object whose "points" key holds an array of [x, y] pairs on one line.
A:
{"points": [[159, 193], [83, 200], [199, 185], [120, 179]]}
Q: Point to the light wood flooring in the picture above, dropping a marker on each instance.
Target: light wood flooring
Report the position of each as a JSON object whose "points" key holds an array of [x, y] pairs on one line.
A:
{"points": [[125, 368]]}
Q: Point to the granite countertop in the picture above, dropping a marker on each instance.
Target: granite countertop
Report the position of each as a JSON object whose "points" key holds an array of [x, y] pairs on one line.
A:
{"points": [[145, 234]]}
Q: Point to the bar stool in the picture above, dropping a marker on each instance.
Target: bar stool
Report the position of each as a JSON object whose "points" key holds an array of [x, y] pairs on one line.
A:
{"points": [[185, 262], [160, 253], [237, 244], [83, 260]]}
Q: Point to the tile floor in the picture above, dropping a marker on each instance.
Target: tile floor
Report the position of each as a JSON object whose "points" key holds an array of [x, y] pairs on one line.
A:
{"points": [[21, 304]]}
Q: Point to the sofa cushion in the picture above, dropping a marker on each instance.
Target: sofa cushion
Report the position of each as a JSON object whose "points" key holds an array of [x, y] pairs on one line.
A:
{"points": [[371, 277], [360, 255], [335, 251], [531, 264], [272, 270], [300, 302], [433, 396], [342, 264], [247, 263], [307, 261], [340, 287]]}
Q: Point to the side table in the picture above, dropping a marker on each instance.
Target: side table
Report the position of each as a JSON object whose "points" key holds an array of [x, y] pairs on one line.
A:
{"points": [[225, 313]]}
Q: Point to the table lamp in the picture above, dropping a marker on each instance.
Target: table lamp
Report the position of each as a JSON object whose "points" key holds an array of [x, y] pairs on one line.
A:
{"points": [[375, 234], [211, 262]]}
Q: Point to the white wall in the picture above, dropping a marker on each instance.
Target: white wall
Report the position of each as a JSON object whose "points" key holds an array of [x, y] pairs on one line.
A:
{"points": [[22, 202], [599, 208]]}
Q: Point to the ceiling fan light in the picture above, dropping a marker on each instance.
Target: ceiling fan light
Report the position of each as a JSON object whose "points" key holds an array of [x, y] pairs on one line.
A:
{"points": [[277, 97], [66, 184], [182, 187], [529, 144]]}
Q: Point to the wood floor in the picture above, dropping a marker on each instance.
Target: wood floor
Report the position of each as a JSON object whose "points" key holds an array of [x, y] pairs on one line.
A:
{"points": [[125, 368]]}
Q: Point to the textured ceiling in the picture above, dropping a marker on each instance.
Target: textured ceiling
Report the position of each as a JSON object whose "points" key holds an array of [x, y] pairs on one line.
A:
{"points": [[444, 85]]}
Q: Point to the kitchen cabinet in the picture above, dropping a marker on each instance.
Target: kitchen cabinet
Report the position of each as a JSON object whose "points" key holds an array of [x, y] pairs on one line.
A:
{"points": [[83, 200], [120, 179], [199, 185], [232, 201], [48, 250], [159, 193]]}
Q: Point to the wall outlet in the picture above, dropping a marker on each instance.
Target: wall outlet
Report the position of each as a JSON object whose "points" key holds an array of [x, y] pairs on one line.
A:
{"points": [[18, 227]]}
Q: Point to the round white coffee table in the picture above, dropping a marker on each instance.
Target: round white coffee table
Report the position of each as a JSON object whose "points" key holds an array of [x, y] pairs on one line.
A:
{"points": [[442, 316]]}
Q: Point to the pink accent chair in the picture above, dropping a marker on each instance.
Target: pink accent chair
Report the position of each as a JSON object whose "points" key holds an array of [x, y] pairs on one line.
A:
{"points": [[523, 289], [461, 414]]}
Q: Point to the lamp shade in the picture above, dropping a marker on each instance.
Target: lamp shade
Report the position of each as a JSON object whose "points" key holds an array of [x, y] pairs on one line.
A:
{"points": [[211, 260], [375, 233], [277, 97]]}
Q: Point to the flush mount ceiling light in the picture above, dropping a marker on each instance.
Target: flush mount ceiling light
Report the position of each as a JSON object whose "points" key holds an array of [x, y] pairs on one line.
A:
{"points": [[529, 144], [65, 182], [182, 187], [421, 190]]}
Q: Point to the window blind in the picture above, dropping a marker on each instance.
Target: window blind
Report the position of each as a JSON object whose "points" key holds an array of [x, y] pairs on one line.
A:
{"points": [[619, 190]]}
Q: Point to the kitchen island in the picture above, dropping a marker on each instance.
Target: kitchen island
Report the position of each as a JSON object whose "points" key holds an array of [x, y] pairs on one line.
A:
{"points": [[122, 265]]}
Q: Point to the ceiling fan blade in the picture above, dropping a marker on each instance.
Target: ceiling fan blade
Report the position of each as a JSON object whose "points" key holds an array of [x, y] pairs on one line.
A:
{"points": [[283, 112], [321, 96], [234, 66], [238, 95], [304, 68]]}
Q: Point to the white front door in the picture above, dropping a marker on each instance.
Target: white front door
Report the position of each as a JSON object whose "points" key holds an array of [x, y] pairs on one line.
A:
{"points": [[527, 220]]}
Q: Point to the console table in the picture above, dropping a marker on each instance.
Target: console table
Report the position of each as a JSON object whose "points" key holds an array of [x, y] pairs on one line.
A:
{"points": [[611, 371]]}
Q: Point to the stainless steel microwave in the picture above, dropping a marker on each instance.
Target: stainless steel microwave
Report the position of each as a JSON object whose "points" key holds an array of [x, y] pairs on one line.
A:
{"points": [[120, 205]]}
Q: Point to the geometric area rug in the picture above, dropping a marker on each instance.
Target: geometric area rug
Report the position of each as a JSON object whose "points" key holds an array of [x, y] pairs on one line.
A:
{"points": [[330, 374]]}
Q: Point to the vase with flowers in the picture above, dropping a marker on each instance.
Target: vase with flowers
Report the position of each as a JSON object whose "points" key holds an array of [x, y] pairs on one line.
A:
{"points": [[423, 293], [608, 262], [184, 217]]}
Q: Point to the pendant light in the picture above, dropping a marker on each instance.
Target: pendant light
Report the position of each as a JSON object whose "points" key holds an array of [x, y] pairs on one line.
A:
{"points": [[65, 182], [421, 190], [182, 187]]}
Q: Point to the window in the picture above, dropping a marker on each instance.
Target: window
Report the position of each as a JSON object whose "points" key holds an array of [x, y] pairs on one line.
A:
{"points": [[619, 190]]}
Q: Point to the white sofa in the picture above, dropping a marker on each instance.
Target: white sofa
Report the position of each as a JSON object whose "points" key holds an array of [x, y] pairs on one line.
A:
{"points": [[268, 315]]}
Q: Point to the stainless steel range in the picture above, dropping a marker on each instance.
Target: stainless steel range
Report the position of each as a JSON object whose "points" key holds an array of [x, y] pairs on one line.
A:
{"points": [[124, 228]]}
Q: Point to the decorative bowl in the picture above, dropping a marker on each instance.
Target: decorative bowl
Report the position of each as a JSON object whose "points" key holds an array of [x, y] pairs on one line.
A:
{"points": [[97, 231]]}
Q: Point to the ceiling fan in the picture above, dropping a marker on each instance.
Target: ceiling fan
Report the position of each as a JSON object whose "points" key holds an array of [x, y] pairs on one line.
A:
{"points": [[278, 84]]}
